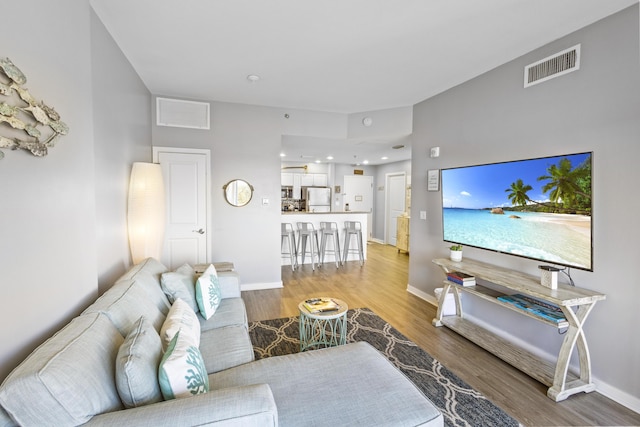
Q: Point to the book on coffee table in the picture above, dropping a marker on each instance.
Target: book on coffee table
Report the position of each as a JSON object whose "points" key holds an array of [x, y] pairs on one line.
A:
{"points": [[320, 305]]}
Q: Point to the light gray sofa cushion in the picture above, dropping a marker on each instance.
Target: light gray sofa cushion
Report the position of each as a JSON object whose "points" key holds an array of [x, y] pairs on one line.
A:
{"points": [[137, 366], [229, 284], [70, 376], [359, 385], [250, 406], [230, 312], [125, 302], [151, 286], [150, 266], [148, 272], [180, 284], [224, 348]]}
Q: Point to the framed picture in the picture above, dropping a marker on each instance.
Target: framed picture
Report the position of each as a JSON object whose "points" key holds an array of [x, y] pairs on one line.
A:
{"points": [[433, 180]]}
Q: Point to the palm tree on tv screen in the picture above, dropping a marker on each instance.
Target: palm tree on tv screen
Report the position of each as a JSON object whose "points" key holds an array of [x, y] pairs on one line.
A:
{"points": [[568, 186], [518, 193]]}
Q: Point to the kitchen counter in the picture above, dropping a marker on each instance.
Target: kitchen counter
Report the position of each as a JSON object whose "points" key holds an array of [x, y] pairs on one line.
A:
{"points": [[338, 217]]}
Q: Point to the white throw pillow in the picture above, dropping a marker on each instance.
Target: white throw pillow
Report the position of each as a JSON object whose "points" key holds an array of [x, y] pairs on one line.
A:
{"points": [[182, 372], [180, 284], [137, 366], [208, 292], [180, 317]]}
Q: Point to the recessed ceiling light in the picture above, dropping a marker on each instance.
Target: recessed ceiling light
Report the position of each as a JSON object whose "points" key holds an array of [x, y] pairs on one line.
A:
{"points": [[283, 155], [317, 161], [365, 162], [329, 157], [384, 158], [253, 78]]}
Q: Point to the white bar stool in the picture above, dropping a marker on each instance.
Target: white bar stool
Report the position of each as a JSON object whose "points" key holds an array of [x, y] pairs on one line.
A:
{"points": [[308, 233], [288, 235], [353, 229], [330, 230]]}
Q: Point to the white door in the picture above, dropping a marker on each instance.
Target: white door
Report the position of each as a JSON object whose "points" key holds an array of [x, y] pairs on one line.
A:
{"points": [[358, 192], [395, 205], [186, 175]]}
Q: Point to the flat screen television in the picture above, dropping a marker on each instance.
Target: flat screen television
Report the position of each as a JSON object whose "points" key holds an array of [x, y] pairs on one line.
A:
{"points": [[536, 208]]}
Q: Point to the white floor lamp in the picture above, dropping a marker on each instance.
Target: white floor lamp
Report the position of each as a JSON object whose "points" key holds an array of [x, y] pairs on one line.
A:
{"points": [[146, 211]]}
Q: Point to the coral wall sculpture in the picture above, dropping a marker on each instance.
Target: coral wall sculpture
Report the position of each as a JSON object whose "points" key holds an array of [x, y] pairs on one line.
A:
{"points": [[25, 123]]}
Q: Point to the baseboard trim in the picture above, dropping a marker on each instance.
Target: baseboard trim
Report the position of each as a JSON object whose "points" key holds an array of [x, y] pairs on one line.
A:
{"points": [[431, 299], [617, 395], [260, 286], [607, 390]]}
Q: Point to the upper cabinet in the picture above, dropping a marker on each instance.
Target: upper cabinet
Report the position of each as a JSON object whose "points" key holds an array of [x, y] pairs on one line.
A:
{"points": [[286, 179], [304, 179], [320, 180]]}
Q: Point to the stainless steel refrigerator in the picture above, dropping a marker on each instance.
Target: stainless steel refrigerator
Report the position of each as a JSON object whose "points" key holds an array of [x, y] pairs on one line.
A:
{"points": [[318, 199]]}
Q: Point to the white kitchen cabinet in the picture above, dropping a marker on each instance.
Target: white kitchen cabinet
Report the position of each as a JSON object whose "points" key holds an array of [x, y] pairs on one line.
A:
{"points": [[297, 186], [286, 179], [306, 180], [320, 180]]}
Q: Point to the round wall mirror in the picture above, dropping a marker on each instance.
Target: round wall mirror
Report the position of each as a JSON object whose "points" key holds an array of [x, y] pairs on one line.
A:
{"points": [[238, 192]]}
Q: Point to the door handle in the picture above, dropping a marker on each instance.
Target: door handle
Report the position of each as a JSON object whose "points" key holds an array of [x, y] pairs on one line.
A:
{"points": [[200, 231]]}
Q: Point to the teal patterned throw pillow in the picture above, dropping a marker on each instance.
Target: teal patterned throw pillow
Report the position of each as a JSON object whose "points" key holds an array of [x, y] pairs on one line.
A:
{"points": [[182, 372], [181, 317], [208, 292]]}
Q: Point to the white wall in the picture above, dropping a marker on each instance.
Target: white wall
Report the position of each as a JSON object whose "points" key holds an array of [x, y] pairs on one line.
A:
{"points": [[49, 251], [122, 135], [493, 118]]}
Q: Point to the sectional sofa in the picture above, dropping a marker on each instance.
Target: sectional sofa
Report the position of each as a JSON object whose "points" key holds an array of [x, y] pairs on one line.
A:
{"points": [[108, 366]]}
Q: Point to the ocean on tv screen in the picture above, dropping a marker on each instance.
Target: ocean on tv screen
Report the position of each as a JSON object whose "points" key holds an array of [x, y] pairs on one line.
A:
{"points": [[556, 238], [537, 208]]}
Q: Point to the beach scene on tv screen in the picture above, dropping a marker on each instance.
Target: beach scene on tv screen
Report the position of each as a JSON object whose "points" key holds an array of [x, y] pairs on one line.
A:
{"points": [[536, 208]]}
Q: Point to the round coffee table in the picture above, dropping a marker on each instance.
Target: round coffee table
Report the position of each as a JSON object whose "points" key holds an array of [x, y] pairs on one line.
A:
{"points": [[323, 329]]}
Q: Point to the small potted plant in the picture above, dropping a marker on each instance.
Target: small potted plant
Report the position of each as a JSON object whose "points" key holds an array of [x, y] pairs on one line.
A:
{"points": [[456, 253]]}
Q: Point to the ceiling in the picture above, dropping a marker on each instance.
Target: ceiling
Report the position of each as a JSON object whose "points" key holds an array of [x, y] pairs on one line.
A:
{"points": [[342, 56]]}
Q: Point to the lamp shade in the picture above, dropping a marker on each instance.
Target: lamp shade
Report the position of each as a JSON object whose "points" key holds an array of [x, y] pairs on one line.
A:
{"points": [[146, 211]]}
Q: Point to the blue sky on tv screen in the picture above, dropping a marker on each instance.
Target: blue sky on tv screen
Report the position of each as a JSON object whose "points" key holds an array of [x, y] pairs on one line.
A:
{"points": [[483, 186]]}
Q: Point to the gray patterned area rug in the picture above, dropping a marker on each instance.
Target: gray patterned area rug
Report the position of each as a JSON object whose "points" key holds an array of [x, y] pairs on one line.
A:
{"points": [[459, 403]]}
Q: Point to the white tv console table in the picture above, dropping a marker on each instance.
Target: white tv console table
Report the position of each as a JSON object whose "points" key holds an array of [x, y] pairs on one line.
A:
{"points": [[576, 304]]}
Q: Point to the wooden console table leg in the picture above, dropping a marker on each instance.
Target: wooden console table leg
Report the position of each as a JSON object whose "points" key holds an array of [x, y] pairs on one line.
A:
{"points": [[437, 321], [560, 389]]}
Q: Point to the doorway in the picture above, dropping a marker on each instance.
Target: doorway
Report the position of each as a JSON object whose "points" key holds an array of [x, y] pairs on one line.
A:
{"points": [[186, 174], [395, 205]]}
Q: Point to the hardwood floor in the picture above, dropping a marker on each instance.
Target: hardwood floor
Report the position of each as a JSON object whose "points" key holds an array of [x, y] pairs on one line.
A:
{"points": [[381, 286]]}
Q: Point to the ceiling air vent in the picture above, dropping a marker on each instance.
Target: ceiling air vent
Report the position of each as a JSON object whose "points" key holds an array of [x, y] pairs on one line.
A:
{"points": [[182, 114], [552, 66]]}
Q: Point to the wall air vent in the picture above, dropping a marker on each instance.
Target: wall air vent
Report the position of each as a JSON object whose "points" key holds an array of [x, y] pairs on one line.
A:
{"points": [[182, 114], [552, 66]]}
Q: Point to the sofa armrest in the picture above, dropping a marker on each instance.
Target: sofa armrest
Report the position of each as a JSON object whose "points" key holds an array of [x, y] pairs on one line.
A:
{"points": [[229, 284], [251, 405]]}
